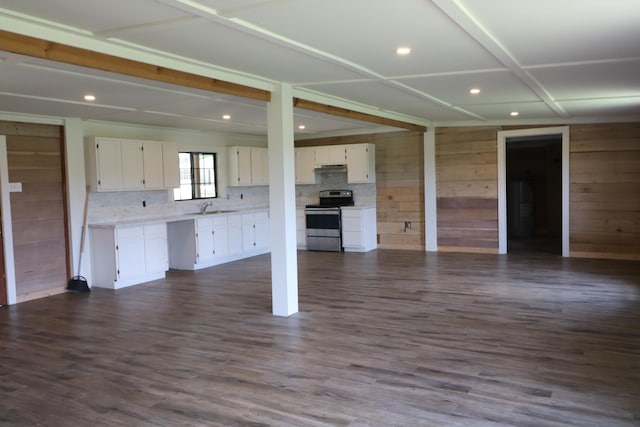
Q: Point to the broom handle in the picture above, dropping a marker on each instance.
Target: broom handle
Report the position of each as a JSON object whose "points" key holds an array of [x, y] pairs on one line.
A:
{"points": [[84, 226]]}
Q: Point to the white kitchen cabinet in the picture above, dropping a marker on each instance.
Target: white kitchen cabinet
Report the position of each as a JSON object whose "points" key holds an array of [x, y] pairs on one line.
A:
{"points": [[170, 165], [114, 164], [361, 163], [217, 238], [103, 160], [128, 255], [259, 166], [255, 231], [220, 236], [248, 166], [330, 155], [301, 228], [204, 240], [153, 166], [305, 161], [156, 256], [198, 243], [359, 232], [132, 165], [235, 234], [262, 231]]}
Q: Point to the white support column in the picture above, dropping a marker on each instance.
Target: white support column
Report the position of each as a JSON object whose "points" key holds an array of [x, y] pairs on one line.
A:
{"points": [[76, 193], [282, 199], [430, 194], [7, 235]]}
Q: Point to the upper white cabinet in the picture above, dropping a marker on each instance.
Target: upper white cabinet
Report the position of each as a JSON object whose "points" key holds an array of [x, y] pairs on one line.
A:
{"points": [[361, 163], [170, 165], [330, 155], [114, 164], [152, 166], [305, 163], [359, 158], [248, 166], [103, 162], [132, 165]]}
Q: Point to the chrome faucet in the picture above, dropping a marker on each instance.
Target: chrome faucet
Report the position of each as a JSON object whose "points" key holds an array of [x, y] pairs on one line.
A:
{"points": [[205, 205]]}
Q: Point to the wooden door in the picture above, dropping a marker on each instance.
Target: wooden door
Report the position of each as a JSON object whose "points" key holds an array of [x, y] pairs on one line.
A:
{"points": [[38, 210]]}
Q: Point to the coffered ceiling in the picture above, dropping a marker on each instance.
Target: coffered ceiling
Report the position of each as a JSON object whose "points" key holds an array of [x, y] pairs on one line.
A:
{"points": [[551, 61]]}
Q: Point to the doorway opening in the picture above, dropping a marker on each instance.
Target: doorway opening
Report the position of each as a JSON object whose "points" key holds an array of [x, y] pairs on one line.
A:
{"points": [[534, 194], [513, 135]]}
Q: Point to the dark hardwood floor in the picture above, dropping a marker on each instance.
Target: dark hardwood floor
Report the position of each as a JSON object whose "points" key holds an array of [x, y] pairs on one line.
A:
{"points": [[387, 338]]}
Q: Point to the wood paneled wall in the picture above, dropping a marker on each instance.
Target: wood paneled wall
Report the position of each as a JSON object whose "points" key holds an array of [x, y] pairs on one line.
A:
{"points": [[467, 189], [399, 185], [605, 191], [39, 221]]}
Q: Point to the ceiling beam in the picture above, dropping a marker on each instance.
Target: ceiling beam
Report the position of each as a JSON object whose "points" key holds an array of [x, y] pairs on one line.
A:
{"points": [[354, 115], [59, 52], [44, 49]]}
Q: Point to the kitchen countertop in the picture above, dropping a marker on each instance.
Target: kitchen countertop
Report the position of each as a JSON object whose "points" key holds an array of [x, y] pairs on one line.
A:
{"points": [[172, 218]]}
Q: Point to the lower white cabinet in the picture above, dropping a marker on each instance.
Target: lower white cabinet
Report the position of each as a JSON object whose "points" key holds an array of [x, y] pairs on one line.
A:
{"points": [[301, 228], [235, 234], [218, 238], [125, 255], [359, 233], [255, 231]]}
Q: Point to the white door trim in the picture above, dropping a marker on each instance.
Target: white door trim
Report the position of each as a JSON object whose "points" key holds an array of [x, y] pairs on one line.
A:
{"points": [[502, 184], [7, 235], [430, 191]]}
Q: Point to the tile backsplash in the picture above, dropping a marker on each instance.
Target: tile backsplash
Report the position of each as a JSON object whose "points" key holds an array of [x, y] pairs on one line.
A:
{"points": [[119, 206], [139, 205]]}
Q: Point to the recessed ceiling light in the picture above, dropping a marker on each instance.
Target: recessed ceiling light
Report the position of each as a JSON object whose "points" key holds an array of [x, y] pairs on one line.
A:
{"points": [[301, 127], [89, 97], [474, 91], [514, 114], [226, 117], [403, 50]]}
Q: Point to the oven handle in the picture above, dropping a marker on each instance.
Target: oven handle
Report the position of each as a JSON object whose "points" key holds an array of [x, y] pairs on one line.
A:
{"points": [[320, 211]]}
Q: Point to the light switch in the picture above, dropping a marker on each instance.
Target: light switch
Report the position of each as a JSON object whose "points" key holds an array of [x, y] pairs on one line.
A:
{"points": [[15, 187]]}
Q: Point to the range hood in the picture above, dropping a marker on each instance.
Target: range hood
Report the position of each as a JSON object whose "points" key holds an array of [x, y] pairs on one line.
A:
{"points": [[330, 168]]}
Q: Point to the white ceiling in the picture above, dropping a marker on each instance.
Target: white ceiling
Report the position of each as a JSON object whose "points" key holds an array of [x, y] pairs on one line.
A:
{"points": [[553, 61]]}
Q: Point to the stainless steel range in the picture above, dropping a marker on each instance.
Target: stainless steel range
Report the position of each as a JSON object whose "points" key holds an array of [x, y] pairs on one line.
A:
{"points": [[324, 227]]}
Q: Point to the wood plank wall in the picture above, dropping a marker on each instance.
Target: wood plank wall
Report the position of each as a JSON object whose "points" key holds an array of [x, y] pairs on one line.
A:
{"points": [[605, 191], [467, 189], [399, 185], [39, 219]]}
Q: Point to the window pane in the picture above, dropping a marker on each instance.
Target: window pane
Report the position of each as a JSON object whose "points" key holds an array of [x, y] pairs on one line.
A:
{"points": [[197, 176]]}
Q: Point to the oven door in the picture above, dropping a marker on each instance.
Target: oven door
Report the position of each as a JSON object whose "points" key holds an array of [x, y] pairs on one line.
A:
{"points": [[323, 229]]}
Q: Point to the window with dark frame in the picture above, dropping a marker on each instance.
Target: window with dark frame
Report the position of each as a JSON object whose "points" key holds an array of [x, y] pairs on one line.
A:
{"points": [[197, 176]]}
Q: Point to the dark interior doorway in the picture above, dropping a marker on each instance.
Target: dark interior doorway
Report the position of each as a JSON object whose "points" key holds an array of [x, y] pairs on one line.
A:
{"points": [[534, 194]]}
